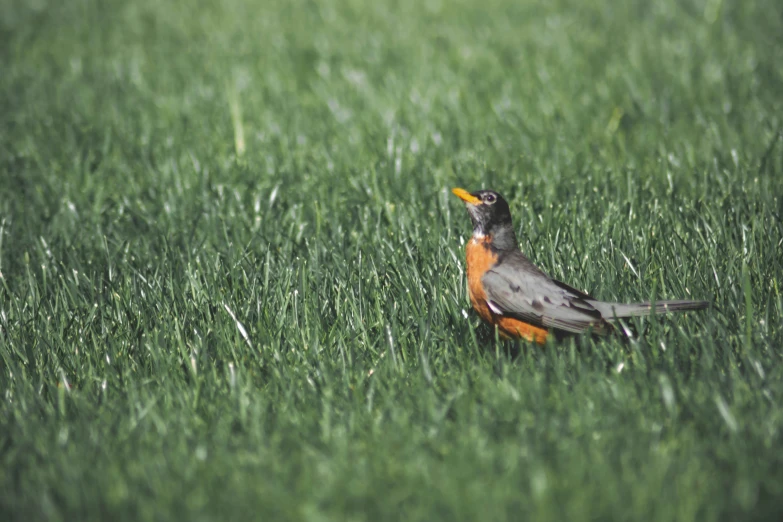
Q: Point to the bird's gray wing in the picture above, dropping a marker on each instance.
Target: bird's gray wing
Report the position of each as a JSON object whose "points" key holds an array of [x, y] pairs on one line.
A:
{"points": [[516, 290]]}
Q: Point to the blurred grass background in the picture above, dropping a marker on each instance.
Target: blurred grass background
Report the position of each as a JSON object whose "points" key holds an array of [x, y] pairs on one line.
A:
{"points": [[232, 272]]}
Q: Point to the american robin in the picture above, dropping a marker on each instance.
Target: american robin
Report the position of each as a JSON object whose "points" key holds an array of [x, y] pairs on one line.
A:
{"points": [[510, 292]]}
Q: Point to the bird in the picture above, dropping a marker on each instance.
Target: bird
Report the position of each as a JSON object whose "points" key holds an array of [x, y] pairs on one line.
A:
{"points": [[511, 293]]}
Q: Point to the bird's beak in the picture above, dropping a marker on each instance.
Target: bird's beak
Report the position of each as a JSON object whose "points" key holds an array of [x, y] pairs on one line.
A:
{"points": [[466, 196]]}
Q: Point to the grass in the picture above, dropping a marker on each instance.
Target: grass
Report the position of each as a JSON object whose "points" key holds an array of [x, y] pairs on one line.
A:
{"points": [[232, 271]]}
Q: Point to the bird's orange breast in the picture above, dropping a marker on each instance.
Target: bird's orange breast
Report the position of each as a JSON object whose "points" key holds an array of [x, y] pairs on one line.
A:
{"points": [[480, 259]]}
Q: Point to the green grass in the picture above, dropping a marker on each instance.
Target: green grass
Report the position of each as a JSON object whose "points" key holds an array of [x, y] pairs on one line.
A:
{"points": [[233, 279]]}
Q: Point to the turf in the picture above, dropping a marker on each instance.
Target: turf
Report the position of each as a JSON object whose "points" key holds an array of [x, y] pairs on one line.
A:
{"points": [[232, 270]]}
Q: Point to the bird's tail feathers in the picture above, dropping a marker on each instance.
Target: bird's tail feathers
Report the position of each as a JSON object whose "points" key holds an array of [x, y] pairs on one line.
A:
{"points": [[610, 311]]}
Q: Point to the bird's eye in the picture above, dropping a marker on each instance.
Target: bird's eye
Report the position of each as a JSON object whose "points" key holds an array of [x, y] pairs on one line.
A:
{"points": [[489, 198]]}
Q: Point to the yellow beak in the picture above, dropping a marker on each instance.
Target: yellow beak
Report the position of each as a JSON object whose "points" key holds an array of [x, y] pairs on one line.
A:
{"points": [[466, 196]]}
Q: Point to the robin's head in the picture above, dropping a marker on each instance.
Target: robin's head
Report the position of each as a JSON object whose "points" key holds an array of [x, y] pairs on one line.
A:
{"points": [[490, 215]]}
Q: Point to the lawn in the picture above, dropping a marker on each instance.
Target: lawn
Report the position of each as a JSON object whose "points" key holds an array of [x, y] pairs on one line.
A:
{"points": [[232, 271]]}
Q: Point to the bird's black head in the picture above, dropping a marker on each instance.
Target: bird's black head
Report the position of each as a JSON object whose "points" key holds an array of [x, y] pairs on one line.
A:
{"points": [[490, 215]]}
